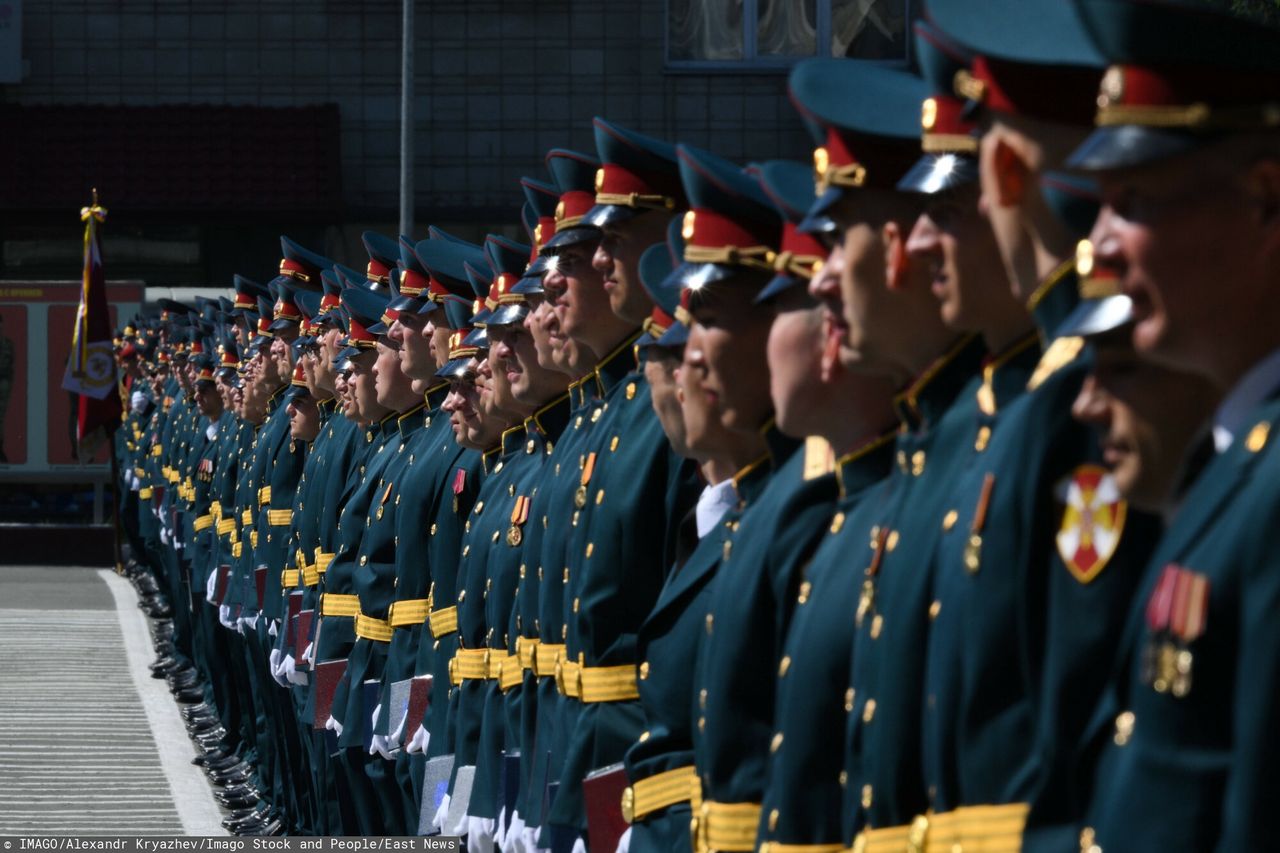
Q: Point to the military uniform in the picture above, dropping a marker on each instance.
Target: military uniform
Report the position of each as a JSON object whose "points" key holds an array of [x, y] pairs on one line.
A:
{"points": [[1186, 736]]}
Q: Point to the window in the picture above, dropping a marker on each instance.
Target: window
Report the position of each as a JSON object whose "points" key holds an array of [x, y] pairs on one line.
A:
{"points": [[734, 34]]}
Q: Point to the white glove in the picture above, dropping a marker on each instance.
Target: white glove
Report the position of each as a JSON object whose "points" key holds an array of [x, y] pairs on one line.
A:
{"points": [[513, 841], [479, 831], [381, 746], [624, 843], [224, 616], [333, 725], [291, 672], [277, 671], [499, 830], [273, 628], [579, 846], [210, 585], [418, 743], [306, 653], [529, 837], [164, 536], [249, 622], [442, 813]]}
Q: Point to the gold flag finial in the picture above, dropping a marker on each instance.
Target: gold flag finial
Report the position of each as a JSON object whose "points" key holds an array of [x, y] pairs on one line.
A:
{"points": [[95, 211]]}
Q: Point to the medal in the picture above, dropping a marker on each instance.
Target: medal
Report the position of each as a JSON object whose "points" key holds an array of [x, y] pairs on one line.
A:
{"points": [[973, 548]]}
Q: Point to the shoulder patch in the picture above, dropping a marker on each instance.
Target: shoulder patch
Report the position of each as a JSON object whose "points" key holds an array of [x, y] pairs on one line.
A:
{"points": [[1092, 521], [819, 457], [1060, 353]]}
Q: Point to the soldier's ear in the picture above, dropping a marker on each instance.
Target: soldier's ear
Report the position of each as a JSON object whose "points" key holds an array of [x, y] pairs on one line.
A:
{"points": [[1011, 173], [896, 260]]}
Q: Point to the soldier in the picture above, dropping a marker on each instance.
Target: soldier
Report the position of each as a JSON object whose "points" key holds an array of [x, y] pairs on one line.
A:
{"points": [[631, 488], [732, 235], [1186, 152], [998, 739]]}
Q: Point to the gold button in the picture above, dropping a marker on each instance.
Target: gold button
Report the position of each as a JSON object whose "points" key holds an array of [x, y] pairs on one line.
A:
{"points": [[1124, 727], [702, 698], [869, 711], [364, 560], [599, 497], [1088, 841], [590, 549], [1257, 437], [935, 609], [522, 570], [805, 588], [710, 621], [784, 665], [702, 724], [575, 605], [728, 548], [902, 460], [984, 438], [613, 444], [844, 778], [644, 670], [530, 446], [466, 549], [875, 536], [644, 736], [773, 820], [949, 520], [631, 390], [837, 522], [478, 507], [917, 463], [462, 596], [877, 625], [776, 743], [892, 541], [566, 575], [866, 796], [848, 700]]}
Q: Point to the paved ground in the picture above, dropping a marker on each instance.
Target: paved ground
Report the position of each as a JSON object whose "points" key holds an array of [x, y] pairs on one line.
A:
{"points": [[89, 742]]}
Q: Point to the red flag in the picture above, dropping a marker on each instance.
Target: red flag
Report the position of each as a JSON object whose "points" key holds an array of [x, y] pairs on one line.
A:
{"points": [[91, 369]]}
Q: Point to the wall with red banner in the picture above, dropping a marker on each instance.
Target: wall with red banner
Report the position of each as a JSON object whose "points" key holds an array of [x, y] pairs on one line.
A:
{"points": [[39, 418]]}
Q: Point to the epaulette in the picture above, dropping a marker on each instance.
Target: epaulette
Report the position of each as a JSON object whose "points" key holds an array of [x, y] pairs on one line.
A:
{"points": [[1060, 353]]}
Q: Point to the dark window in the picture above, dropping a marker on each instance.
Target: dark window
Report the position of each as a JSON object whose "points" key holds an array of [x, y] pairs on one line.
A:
{"points": [[733, 34]]}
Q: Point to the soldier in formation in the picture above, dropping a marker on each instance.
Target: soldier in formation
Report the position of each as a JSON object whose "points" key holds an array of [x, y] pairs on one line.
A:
{"points": [[917, 498]]}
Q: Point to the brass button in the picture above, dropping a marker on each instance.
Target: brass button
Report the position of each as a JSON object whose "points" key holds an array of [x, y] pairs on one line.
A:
{"points": [[984, 438], [935, 609], [892, 541], [1124, 727], [644, 670], [837, 522], [848, 700], [869, 711], [644, 736], [805, 588], [702, 724], [1089, 841], [575, 605], [702, 698], [844, 778], [784, 665], [364, 560], [866, 796], [590, 549], [710, 621], [877, 625], [949, 520], [773, 820], [776, 743]]}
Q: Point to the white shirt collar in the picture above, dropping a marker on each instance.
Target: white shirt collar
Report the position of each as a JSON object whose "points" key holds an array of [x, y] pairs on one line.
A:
{"points": [[1252, 389], [713, 503]]}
